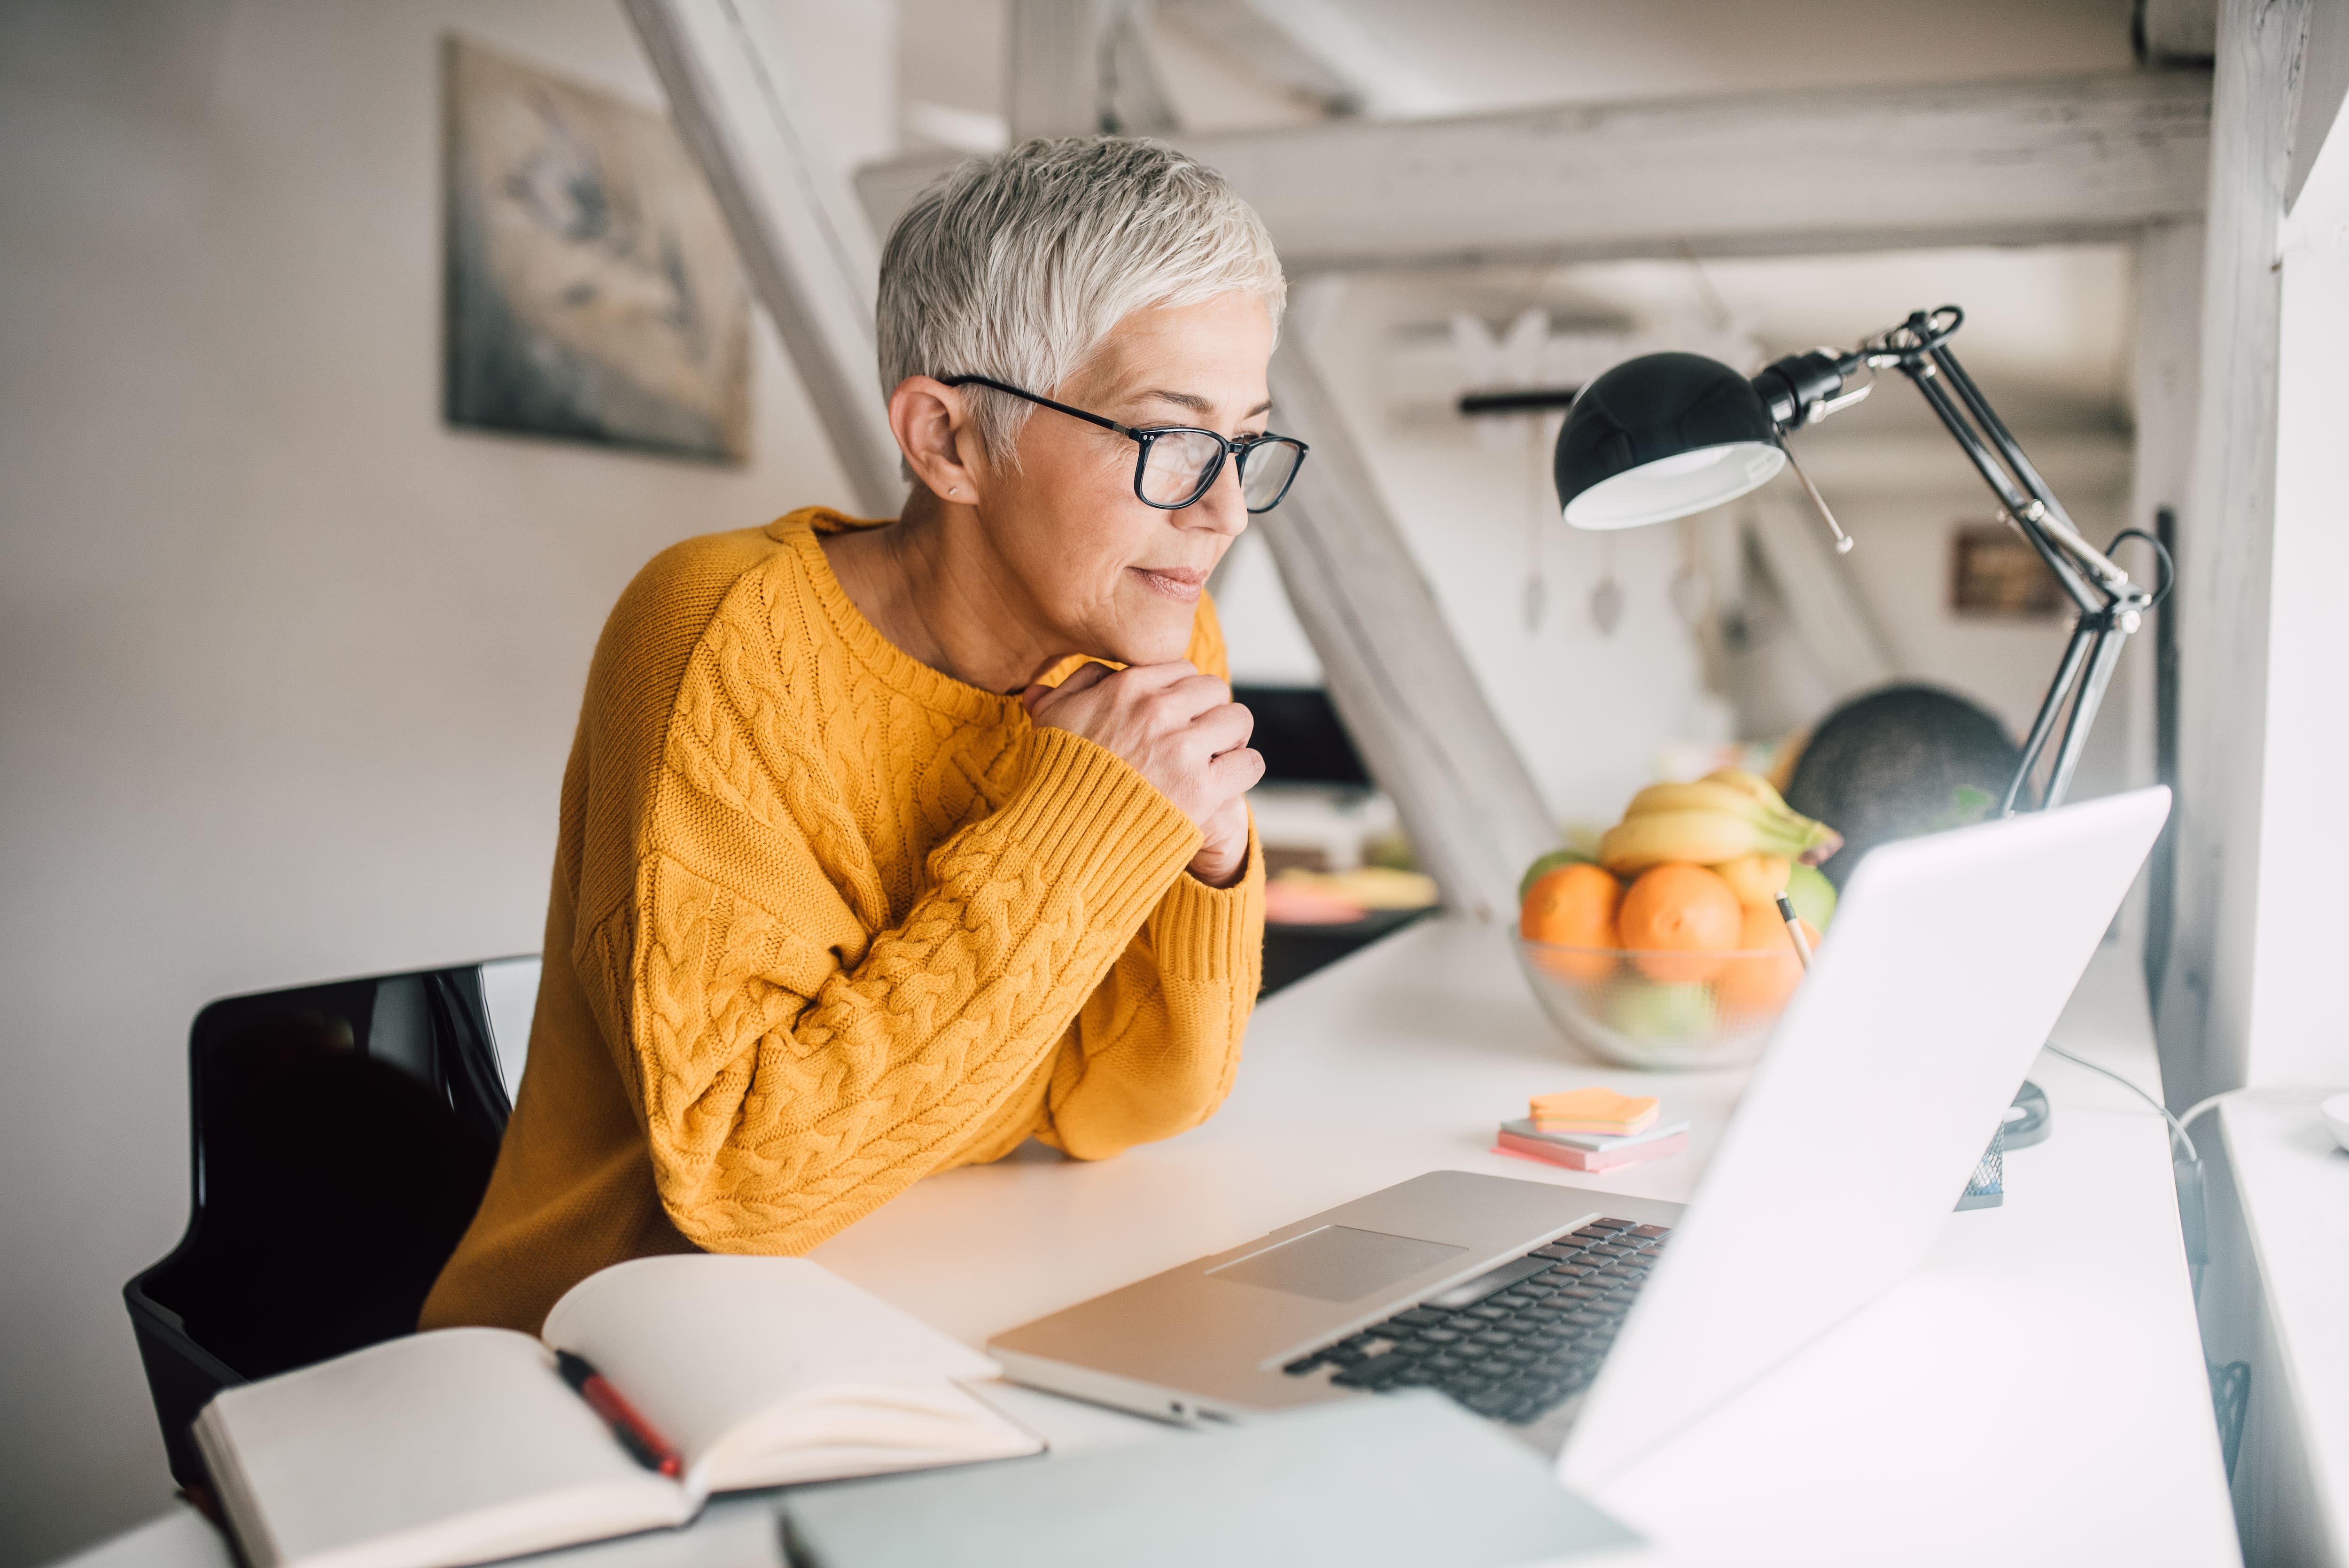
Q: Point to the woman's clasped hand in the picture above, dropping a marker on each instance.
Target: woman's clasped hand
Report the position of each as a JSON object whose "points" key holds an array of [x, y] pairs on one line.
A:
{"points": [[1179, 729]]}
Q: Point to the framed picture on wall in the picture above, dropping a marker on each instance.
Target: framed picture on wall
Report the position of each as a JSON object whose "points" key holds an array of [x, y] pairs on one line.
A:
{"points": [[593, 292], [1994, 572]]}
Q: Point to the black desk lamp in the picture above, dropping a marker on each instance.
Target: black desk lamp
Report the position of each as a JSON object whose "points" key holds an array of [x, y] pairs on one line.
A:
{"points": [[1666, 435]]}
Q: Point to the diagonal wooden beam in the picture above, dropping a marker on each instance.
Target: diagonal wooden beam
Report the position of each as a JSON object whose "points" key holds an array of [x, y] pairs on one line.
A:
{"points": [[1395, 671], [2047, 160]]}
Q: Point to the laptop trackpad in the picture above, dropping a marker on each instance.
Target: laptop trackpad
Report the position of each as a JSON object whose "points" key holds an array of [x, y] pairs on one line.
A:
{"points": [[1336, 1263]]}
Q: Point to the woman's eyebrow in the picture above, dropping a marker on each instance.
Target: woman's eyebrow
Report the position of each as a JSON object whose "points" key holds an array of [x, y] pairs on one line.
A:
{"points": [[1198, 404]]}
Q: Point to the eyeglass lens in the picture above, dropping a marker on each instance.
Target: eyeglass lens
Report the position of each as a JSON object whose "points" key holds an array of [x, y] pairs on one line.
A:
{"points": [[1177, 465], [1180, 463], [1270, 466]]}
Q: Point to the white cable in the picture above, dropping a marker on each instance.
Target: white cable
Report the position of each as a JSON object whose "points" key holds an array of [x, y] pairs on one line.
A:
{"points": [[2199, 1106], [2176, 1123]]}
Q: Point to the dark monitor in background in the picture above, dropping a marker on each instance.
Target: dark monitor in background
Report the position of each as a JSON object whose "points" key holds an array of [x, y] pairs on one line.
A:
{"points": [[1298, 734]]}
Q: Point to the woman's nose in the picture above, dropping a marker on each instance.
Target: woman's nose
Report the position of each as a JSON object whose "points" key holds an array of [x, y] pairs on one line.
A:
{"points": [[1224, 508]]}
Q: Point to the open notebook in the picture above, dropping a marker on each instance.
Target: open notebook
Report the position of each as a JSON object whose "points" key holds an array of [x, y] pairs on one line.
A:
{"points": [[465, 1445]]}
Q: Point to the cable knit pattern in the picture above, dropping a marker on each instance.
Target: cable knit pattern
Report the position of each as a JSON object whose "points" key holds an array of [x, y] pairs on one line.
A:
{"points": [[834, 921]]}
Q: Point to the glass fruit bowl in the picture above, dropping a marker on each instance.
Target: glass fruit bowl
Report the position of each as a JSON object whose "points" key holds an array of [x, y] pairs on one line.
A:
{"points": [[1656, 1009]]}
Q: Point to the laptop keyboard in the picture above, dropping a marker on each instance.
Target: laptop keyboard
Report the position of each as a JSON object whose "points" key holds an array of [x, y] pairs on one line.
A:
{"points": [[1516, 1341]]}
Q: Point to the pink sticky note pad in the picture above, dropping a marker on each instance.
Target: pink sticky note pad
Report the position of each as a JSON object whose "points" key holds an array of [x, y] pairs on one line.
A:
{"points": [[1589, 1159]]}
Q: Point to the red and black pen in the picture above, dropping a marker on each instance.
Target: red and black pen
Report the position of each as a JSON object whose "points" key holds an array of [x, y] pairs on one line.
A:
{"points": [[636, 1434]]}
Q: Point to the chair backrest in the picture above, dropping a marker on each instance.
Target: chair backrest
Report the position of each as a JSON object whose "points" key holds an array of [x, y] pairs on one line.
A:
{"points": [[342, 1135]]}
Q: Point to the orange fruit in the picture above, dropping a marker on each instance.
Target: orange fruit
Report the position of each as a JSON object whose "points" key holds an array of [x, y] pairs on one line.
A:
{"points": [[1682, 920], [1761, 983], [1573, 906]]}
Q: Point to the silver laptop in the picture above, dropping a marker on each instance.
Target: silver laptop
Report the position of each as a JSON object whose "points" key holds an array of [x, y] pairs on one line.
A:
{"points": [[1608, 1323]]}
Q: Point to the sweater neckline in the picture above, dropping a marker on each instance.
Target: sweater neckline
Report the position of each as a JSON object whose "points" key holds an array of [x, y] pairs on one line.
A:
{"points": [[933, 687]]}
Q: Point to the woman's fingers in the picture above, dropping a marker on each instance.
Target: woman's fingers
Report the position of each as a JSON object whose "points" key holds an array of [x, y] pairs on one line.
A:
{"points": [[1235, 772], [1194, 695], [1224, 728], [1178, 728], [1222, 859]]}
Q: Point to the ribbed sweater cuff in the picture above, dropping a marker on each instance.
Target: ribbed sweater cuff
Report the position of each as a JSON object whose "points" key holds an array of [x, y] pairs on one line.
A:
{"points": [[1089, 823], [1202, 933]]}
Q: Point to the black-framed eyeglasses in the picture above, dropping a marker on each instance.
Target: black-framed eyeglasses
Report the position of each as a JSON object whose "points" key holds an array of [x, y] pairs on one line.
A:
{"points": [[1178, 463]]}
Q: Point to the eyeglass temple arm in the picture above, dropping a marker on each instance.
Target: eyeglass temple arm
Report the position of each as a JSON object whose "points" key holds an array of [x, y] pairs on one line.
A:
{"points": [[1045, 402]]}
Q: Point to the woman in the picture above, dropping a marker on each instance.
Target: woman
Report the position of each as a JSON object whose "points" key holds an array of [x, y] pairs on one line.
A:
{"points": [[866, 868]]}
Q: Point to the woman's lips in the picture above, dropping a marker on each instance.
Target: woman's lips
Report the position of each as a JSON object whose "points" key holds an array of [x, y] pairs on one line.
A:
{"points": [[1181, 583]]}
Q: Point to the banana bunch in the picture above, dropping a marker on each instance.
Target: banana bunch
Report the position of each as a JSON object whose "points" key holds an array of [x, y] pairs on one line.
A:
{"points": [[1724, 816]]}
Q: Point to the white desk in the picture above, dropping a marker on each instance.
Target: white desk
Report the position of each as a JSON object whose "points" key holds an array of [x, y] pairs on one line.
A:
{"points": [[2035, 1395]]}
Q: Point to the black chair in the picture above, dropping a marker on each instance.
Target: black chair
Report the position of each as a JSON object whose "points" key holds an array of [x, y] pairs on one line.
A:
{"points": [[342, 1135]]}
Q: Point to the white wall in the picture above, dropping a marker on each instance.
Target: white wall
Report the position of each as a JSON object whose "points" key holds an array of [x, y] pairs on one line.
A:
{"points": [[287, 669]]}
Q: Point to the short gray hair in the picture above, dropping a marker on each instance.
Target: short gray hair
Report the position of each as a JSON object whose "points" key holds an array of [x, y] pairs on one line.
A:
{"points": [[1016, 265]]}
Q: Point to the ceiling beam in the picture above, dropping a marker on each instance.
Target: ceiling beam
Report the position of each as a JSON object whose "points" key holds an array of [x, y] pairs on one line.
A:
{"points": [[2043, 160]]}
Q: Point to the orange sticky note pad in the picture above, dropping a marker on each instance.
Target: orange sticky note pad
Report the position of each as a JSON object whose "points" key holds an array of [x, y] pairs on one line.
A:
{"points": [[1593, 1110]]}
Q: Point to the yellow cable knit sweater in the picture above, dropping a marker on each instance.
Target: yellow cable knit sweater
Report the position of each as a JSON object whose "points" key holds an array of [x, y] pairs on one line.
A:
{"points": [[826, 920]]}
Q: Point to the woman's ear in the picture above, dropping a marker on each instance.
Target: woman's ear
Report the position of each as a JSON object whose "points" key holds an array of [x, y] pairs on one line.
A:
{"points": [[933, 424]]}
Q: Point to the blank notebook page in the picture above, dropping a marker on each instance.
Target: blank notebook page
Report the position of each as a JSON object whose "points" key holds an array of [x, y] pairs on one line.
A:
{"points": [[447, 1427], [701, 1343]]}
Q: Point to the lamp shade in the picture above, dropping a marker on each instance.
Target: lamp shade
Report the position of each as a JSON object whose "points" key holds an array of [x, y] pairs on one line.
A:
{"points": [[1660, 437]]}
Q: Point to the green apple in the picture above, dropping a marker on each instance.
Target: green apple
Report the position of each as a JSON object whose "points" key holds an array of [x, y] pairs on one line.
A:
{"points": [[1813, 896], [1646, 1010]]}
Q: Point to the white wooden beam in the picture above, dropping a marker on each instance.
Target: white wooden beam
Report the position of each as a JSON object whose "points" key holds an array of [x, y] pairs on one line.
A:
{"points": [[2048, 160], [2225, 564], [804, 239], [1393, 669], [1078, 68]]}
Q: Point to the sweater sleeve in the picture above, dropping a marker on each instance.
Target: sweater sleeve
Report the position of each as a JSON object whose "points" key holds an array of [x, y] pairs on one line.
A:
{"points": [[1154, 1048], [786, 1094]]}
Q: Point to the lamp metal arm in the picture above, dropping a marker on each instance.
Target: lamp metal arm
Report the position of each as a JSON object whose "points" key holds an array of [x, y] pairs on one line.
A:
{"points": [[1801, 389], [2027, 512]]}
